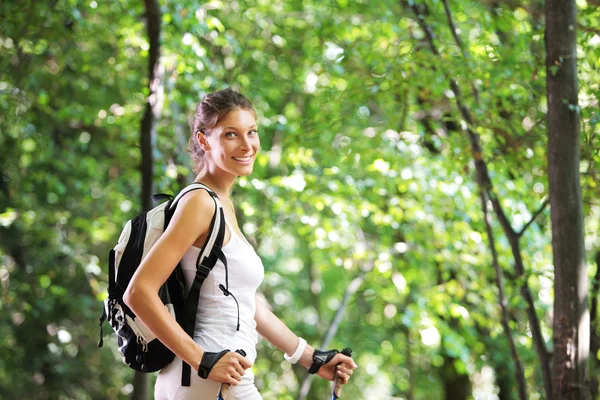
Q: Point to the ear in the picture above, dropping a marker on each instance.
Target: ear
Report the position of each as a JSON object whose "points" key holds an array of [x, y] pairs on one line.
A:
{"points": [[203, 141]]}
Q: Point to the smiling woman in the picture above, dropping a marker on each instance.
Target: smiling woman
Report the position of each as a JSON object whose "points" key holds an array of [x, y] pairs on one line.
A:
{"points": [[223, 145], [236, 118]]}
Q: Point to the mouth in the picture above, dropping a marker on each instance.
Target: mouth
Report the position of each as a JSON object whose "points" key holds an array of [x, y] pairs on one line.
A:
{"points": [[243, 159]]}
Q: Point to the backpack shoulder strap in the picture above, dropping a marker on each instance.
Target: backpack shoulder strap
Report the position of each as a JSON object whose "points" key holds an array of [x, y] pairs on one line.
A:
{"points": [[209, 254], [190, 188], [172, 205]]}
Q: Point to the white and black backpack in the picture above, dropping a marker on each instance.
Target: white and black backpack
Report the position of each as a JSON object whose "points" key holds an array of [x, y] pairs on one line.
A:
{"points": [[140, 349]]}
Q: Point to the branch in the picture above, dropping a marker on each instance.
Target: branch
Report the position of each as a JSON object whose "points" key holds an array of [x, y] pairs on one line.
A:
{"points": [[12, 243], [460, 45], [335, 323], [453, 28], [277, 144], [589, 29], [419, 12], [337, 319], [519, 375], [404, 111], [537, 213]]}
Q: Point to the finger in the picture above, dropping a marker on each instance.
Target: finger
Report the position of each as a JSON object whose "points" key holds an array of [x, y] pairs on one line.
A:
{"points": [[335, 360], [235, 375], [345, 376], [340, 358], [244, 362], [240, 370], [348, 361], [346, 370]]}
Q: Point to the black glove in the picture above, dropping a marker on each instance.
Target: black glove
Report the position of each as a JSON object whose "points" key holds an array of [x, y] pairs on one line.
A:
{"points": [[208, 362], [321, 358]]}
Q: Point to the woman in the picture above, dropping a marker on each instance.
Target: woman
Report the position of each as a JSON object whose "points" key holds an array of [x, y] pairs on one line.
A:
{"points": [[224, 144]]}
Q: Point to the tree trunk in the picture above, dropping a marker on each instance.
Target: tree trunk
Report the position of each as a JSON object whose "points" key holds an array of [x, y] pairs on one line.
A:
{"points": [[457, 385], [504, 380], [410, 394], [571, 315], [141, 386], [148, 133], [595, 333], [154, 100]]}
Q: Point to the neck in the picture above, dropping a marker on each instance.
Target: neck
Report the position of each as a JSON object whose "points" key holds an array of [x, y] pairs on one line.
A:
{"points": [[221, 183]]}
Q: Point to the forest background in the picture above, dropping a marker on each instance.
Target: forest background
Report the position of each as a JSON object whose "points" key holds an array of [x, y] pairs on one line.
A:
{"points": [[366, 203]]}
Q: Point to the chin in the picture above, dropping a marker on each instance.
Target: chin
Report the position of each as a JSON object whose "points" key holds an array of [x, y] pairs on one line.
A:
{"points": [[246, 172]]}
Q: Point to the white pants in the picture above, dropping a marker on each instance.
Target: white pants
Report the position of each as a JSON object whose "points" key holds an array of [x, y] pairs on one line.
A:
{"points": [[168, 386]]}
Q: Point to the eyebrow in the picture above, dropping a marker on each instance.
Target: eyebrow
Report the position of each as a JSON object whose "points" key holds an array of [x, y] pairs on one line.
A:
{"points": [[235, 128]]}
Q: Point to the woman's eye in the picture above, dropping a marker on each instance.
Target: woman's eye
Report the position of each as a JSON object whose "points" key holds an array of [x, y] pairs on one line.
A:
{"points": [[253, 133], [230, 134]]}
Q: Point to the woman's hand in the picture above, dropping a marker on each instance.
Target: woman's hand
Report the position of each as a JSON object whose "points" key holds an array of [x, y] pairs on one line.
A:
{"points": [[344, 370], [230, 369]]}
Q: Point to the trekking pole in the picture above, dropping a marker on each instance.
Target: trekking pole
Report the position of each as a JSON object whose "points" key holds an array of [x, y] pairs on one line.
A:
{"points": [[224, 389], [336, 390]]}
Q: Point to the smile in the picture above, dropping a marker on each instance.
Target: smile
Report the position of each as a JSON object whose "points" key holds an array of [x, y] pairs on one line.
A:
{"points": [[247, 158]]}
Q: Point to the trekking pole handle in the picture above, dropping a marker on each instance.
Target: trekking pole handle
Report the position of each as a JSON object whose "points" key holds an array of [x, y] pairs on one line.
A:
{"points": [[337, 381], [224, 389]]}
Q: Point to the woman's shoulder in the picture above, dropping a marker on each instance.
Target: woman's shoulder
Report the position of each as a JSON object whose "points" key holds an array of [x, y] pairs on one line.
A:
{"points": [[196, 201]]}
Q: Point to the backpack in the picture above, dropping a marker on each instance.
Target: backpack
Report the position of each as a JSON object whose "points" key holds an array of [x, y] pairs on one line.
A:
{"points": [[140, 349]]}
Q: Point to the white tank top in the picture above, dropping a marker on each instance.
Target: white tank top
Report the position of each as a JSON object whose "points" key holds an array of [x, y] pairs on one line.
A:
{"points": [[216, 318]]}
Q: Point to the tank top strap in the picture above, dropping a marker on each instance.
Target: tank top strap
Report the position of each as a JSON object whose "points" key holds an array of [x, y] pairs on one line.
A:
{"points": [[228, 226], [234, 233]]}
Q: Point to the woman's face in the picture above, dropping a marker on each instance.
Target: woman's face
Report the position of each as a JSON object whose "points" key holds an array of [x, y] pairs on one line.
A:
{"points": [[233, 143]]}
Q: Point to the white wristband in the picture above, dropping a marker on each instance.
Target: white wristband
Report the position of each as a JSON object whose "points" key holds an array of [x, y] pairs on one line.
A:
{"points": [[298, 353]]}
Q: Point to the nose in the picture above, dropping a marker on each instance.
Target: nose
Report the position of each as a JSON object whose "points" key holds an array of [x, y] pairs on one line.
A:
{"points": [[246, 145]]}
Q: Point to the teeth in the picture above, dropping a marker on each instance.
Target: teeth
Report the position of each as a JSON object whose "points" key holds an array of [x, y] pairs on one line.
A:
{"points": [[242, 158]]}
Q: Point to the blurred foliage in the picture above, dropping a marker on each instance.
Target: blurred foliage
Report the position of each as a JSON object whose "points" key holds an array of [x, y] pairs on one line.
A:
{"points": [[365, 172]]}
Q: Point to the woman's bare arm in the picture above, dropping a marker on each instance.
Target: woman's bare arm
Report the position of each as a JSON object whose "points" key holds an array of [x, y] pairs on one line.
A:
{"points": [[190, 220], [277, 333]]}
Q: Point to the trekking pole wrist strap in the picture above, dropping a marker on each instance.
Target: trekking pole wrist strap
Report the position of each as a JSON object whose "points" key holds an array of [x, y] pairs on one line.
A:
{"points": [[209, 359], [321, 358]]}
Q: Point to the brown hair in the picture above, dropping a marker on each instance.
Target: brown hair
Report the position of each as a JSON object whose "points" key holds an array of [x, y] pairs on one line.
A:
{"points": [[214, 108]]}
